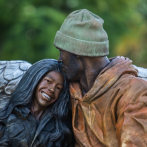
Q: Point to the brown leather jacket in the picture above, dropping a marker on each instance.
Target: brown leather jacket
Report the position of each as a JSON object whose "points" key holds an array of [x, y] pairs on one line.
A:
{"points": [[113, 113]]}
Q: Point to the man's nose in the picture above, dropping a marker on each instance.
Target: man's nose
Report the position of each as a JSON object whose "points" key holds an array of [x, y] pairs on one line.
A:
{"points": [[59, 60]]}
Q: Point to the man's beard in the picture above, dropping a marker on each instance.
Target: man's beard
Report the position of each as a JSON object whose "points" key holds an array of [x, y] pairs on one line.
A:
{"points": [[72, 71]]}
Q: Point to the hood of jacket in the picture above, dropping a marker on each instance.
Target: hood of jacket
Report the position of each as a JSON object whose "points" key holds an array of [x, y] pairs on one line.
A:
{"points": [[106, 78]]}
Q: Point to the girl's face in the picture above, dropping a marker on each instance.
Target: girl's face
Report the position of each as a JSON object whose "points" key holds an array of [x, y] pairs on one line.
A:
{"points": [[49, 89]]}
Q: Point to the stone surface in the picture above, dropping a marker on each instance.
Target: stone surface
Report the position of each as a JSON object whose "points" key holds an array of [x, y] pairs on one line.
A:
{"points": [[11, 73]]}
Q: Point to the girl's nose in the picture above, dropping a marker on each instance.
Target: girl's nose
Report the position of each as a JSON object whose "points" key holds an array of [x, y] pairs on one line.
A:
{"points": [[52, 88]]}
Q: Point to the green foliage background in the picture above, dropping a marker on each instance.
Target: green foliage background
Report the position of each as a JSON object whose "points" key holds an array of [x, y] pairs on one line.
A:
{"points": [[28, 27]]}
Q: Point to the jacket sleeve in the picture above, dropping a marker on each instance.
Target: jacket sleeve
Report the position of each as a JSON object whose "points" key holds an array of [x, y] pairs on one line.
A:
{"points": [[4, 141], [131, 126]]}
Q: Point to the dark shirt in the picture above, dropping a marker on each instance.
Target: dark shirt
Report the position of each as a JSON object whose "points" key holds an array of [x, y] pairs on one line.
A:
{"points": [[22, 130]]}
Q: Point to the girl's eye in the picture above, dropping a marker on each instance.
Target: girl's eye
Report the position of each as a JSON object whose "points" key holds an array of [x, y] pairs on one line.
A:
{"points": [[58, 88], [48, 81]]}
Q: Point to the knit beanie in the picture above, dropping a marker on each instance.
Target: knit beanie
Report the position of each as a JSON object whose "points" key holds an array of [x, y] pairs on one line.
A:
{"points": [[82, 34]]}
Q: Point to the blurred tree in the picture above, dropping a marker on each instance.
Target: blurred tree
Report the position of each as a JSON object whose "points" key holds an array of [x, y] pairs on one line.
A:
{"points": [[28, 28], [31, 33], [133, 42]]}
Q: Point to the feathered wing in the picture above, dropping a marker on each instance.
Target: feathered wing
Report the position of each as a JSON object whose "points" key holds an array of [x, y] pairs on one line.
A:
{"points": [[142, 72], [11, 73]]}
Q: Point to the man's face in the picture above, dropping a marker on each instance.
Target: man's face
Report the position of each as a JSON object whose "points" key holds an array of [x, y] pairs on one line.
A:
{"points": [[70, 65]]}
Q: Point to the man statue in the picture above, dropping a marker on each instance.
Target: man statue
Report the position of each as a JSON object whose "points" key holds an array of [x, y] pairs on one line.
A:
{"points": [[109, 100]]}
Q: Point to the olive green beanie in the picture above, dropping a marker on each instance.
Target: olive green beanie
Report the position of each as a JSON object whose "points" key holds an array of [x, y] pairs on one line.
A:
{"points": [[82, 33]]}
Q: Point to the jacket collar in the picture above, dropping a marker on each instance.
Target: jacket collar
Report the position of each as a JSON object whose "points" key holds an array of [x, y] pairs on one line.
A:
{"points": [[21, 111]]}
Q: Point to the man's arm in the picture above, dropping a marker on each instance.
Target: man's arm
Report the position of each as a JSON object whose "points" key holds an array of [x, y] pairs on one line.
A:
{"points": [[132, 125]]}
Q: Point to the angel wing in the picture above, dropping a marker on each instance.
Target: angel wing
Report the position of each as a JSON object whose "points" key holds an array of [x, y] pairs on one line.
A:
{"points": [[11, 73], [142, 72]]}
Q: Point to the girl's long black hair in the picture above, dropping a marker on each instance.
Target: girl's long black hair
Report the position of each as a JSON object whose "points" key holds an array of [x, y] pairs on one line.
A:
{"points": [[22, 96]]}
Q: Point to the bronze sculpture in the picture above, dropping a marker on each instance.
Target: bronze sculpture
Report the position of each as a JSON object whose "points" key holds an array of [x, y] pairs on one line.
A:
{"points": [[38, 111], [97, 118], [108, 98]]}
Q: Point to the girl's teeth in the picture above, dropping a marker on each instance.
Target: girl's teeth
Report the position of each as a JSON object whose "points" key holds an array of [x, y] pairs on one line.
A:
{"points": [[46, 95]]}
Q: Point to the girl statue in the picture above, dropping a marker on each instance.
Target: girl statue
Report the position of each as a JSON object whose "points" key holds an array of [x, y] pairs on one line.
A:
{"points": [[38, 113]]}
